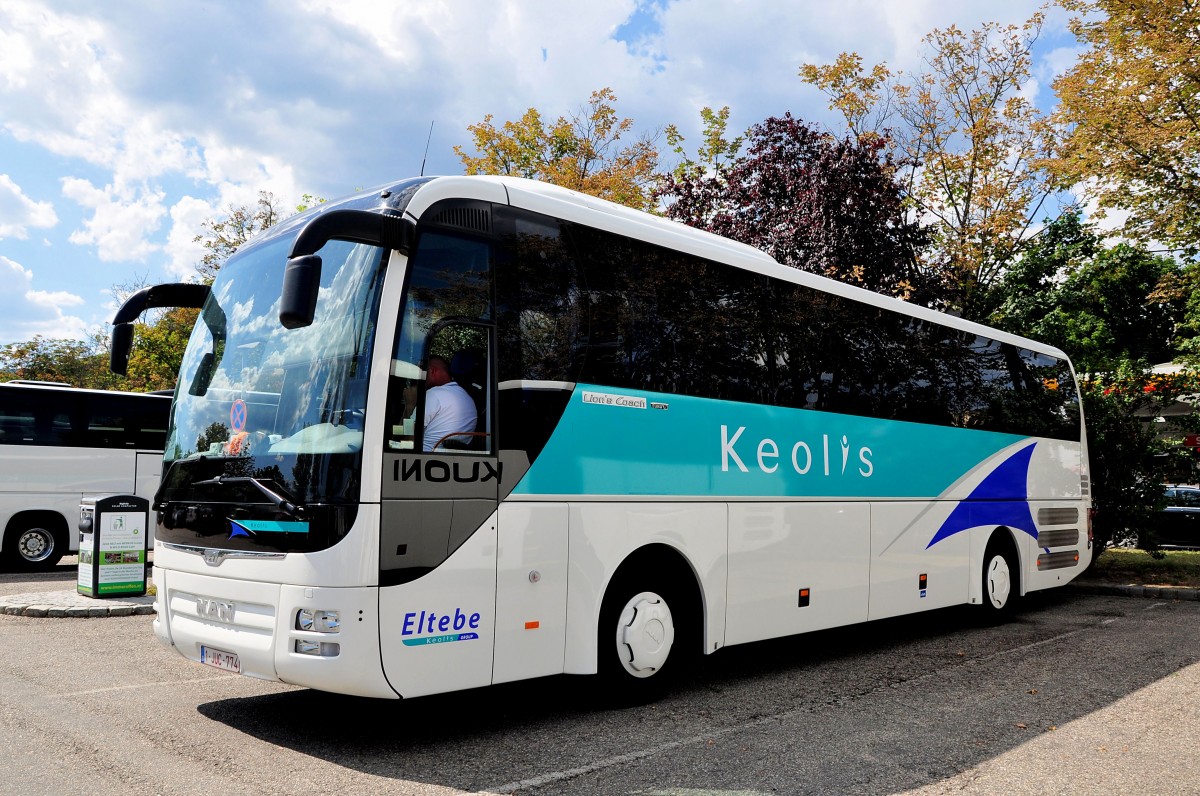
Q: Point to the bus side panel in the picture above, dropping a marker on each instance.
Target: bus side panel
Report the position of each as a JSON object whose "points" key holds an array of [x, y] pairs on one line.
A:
{"points": [[84, 471], [901, 554], [437, 633], [603, 535], [1060, 514], [147, 475], [531, 590], [796, 567], [43, 478], [1062, 535]]}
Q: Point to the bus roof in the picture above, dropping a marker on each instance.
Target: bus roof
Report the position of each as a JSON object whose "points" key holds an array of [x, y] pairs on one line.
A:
{"points": [[415, 195]]}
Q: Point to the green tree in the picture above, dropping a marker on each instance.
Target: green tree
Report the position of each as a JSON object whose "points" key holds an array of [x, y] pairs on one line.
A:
{"points": [[221, 237], [583, 152], [970, 141], [158, 350], [715, 151], [1103, 305], [1128, 118], [1107, 307], [1182, 289], [74, 362], [1128, 460]]}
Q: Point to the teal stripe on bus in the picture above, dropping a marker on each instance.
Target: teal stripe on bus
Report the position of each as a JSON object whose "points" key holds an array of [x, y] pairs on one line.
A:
{"points": [[627, 442]]}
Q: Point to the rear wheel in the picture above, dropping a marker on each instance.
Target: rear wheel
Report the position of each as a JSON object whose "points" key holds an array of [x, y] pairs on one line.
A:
{"points": [[32, 546], [1001, 581], [641, 625]]}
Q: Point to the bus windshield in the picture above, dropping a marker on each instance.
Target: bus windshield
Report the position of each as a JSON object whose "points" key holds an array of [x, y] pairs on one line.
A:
{"points": [[266, 434]]}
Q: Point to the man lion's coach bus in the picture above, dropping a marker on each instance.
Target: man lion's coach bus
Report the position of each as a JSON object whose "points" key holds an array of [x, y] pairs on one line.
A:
{"points": [[60, 444], [679, 445]]}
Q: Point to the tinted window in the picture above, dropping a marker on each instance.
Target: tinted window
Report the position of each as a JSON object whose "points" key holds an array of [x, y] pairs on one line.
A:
{"points": [[30, 416], [661, 320]]}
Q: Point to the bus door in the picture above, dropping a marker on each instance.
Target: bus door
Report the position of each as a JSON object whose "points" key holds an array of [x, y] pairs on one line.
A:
{"points": [[437, 538]]}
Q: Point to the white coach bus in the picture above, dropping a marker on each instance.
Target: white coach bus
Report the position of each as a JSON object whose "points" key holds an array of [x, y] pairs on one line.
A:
{"points": [[59, 444], [680, 445]]}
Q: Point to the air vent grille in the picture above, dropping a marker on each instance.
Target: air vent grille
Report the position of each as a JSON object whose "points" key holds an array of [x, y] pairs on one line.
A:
{"points": [[475, 219], [1057, 560], [1059, 516], [1061, 537]]}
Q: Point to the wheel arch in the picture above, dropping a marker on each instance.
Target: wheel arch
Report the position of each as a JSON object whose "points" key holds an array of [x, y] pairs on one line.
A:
{"points": [[981, 543], [663, 562], [49, 519], [653, 559]]}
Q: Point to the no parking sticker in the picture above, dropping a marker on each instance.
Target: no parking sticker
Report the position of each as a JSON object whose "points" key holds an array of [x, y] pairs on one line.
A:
{"points": [[237, 415]]}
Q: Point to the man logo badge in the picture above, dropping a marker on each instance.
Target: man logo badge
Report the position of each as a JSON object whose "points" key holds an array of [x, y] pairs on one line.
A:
{"points": [[217, 610]]}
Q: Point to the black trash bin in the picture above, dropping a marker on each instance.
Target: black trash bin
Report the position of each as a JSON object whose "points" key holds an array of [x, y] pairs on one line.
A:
{"points": [[112, 546]]}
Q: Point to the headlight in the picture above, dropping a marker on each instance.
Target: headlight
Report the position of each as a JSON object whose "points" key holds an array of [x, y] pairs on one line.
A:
{"points": [[316, 621]]}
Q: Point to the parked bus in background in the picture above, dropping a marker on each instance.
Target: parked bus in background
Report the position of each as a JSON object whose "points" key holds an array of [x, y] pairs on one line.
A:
{"points": [[59, 444], [680, 445]]}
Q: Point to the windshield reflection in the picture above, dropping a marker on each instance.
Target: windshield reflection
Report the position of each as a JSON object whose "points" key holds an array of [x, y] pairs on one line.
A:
{"points": [[283, 407]]}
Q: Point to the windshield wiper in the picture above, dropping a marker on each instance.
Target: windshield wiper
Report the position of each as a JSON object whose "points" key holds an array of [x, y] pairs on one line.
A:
{"points": [[283, 501]]}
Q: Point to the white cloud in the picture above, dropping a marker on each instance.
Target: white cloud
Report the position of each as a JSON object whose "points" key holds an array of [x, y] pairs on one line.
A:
{"points": [[190, 107], [121, 220], [25, 312], [182, 250], [18, 212]]}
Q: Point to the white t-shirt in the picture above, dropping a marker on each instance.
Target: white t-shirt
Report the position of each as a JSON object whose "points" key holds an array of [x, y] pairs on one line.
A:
{"points": [[448, 408]]}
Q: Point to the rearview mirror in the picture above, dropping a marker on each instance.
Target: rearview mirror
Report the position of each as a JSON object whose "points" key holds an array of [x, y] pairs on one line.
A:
{"points": [[301, 284], [122, 343]]}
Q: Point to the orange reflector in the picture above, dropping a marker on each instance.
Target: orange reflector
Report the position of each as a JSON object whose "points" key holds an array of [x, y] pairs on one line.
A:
{"points": [[532, 625]]}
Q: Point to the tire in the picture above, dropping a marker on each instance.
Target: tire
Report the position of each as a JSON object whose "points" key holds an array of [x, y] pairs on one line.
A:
{"points": [[33, 546], [639, 640], [1001, 581]]}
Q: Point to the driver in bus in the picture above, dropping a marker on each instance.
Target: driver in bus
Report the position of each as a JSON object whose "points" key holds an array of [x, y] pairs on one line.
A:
{"points": [[448, 407]]}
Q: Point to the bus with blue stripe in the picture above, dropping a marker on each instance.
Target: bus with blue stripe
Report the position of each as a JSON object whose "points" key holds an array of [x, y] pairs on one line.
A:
{"points": [[679, 445]]}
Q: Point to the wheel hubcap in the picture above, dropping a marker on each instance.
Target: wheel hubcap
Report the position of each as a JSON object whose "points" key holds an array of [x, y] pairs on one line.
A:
{"points": [[34, 545], [999, 581], [645, 632]]}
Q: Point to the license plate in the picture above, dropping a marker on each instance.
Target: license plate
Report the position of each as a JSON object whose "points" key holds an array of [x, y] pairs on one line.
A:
{"points": [[220, 659]]}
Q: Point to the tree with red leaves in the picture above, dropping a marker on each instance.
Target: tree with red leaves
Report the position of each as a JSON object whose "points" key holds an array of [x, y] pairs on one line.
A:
{"points": [[812, 201]]}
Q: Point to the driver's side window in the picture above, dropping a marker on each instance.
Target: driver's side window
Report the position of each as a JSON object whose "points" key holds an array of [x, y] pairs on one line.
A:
{"points": [[442, 406], [438, 394]]}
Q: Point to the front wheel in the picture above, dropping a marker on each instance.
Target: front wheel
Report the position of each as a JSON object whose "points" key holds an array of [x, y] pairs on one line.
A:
{"points": [[638, 638]]}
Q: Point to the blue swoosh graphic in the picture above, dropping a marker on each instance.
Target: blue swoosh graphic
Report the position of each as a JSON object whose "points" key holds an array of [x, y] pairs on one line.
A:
{"points": [[999, 499], [251, 527]]}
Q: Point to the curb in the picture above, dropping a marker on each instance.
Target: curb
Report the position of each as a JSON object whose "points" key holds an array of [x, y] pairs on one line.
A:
{"points": [[75, 605], [1152, 592]]}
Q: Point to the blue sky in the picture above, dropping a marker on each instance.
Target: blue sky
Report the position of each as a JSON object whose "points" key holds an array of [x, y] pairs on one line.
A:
{"points": [[124, 125]]}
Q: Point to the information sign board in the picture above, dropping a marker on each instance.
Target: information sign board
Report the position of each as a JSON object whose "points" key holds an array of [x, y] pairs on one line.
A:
{"points": [[112, 547]]}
